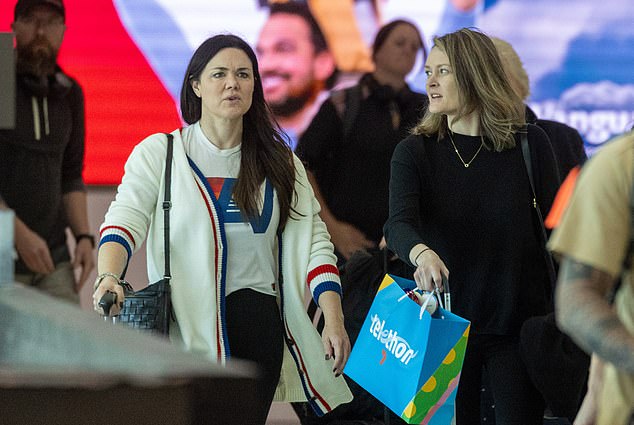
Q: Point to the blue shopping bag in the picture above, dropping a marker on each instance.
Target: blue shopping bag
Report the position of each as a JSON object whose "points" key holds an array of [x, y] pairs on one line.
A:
{"points": [[410, 361]]}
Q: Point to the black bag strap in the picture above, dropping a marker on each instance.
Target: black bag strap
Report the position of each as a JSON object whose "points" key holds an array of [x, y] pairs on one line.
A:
{"points": [[167, 203], [528, 163]]}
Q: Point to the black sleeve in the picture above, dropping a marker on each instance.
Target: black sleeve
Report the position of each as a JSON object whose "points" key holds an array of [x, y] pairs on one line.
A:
{"points": [[401, 228], [573, 150], [567, 145], [578, 148], [73, 162], [317, 145]]}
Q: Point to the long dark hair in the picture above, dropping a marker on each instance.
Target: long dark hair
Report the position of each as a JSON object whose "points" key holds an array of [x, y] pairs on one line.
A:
{"points": [[264, 152]]}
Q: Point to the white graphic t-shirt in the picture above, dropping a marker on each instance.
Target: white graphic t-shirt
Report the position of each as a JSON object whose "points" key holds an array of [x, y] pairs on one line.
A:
{"points": [[251, 246]]}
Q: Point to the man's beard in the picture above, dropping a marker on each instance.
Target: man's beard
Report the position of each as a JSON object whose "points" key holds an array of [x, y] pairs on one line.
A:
{"points": [[292, 104], [37, 58]]}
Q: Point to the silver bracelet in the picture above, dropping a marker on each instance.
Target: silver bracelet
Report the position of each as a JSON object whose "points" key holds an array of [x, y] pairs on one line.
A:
{"points": [[419, 254], [102, 276]]}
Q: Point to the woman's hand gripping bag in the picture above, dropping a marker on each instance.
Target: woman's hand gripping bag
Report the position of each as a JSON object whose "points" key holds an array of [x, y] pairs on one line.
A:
{"points": [[407, 358]]}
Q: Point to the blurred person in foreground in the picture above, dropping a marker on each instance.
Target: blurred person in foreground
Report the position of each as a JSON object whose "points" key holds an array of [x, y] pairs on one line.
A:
{"points": [[594, 241]]}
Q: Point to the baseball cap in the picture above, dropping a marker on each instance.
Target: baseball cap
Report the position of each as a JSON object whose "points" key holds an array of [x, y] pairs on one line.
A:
{"points": [[22, 7]]}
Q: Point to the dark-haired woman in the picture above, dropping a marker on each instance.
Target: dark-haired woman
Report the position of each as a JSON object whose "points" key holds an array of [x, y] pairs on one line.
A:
{"points": [[246, 239]]}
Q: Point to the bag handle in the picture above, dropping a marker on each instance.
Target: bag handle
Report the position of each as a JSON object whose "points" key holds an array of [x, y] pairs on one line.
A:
{"points": [[446, 294], [526, 154], [167, 203], [427, 295]]}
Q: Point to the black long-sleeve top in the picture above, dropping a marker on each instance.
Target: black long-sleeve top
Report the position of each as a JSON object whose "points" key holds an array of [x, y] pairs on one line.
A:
{"points": [[353, 172], [479, 220]]}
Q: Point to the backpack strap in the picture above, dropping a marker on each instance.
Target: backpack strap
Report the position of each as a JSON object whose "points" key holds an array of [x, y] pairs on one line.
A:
{"points": [[347, 103], [353, 104]]}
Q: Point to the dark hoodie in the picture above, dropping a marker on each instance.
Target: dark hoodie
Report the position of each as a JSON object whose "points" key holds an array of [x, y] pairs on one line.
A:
{"points": [[42, 158]]}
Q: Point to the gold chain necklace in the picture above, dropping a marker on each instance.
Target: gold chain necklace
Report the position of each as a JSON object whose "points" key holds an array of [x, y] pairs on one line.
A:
{"points": [[466, 164]]}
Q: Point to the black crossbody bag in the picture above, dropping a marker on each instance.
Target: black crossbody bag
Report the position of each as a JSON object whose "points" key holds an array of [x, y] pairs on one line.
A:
{"points": [[150, 309], [555, 364]]}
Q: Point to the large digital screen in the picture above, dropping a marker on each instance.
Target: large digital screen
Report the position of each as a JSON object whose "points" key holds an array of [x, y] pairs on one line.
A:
{"points": [[130, 57]]}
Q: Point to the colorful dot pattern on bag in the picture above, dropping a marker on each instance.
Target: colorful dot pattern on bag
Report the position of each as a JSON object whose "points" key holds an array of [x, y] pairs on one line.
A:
{"points": [[438, 387], [451, 356], [430, 385], [410, 410]]}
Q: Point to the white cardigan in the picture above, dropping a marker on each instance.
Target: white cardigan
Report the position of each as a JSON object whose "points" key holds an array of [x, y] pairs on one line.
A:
{"points": [[197, 265]]}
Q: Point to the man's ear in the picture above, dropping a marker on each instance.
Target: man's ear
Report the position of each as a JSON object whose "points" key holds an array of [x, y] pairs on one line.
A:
{"points": [[324, 65]]}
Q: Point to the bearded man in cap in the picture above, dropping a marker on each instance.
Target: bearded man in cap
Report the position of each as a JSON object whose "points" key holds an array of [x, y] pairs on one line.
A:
{"points": [[42, 158]]}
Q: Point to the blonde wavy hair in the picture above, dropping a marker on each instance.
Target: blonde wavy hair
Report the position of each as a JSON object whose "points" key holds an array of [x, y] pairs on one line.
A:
{"points": [[513, 67], [483, 87]]}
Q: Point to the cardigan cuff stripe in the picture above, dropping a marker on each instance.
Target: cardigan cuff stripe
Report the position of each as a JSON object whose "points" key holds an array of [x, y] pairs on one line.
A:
{"points": [[118, 230], [118, 239], [326, 286], [317, 272]]}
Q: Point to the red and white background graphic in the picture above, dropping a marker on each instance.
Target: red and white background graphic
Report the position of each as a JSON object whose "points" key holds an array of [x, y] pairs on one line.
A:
{"points": [[125, 100]]}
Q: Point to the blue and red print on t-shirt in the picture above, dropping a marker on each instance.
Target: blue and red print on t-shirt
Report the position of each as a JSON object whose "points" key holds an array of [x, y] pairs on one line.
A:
{"points": [[222, 189]]}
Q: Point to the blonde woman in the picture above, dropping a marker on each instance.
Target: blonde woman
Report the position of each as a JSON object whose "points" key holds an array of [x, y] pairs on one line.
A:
{"points": [[461, 207]]}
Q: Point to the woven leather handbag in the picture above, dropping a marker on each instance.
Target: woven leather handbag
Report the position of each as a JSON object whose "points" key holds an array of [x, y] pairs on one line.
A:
{"points": [[149, 309]]}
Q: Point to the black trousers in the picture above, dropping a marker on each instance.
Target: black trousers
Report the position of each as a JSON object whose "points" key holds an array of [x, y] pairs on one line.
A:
{"points": [[517, 401], [255, 333]]}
